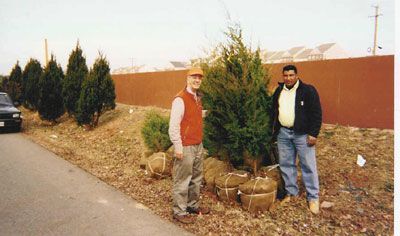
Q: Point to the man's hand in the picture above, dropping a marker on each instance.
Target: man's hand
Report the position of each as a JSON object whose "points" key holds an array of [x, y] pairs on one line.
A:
{"points": [[311, 141], [179, 156]]}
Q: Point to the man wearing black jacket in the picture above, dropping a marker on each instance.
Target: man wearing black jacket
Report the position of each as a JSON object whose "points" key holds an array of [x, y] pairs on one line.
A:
{"points": [[297, 118]]}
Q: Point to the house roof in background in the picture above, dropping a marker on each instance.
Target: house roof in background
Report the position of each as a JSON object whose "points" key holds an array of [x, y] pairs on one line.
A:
{"points": [[296, 50], [179, 64], [304, 54], [325, 47]]}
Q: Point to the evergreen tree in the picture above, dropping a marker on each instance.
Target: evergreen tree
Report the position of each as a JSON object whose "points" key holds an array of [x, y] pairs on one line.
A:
{"points": [[87, 102], [76, 72], [3, 83], [30, 83], [50, 104], [15, 84], [237, 125], [97, 94]]}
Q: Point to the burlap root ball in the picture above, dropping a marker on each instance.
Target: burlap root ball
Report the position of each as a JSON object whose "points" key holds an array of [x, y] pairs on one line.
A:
{"points": [[227, 186], [258, 195], [218, 168], [159, 165]]}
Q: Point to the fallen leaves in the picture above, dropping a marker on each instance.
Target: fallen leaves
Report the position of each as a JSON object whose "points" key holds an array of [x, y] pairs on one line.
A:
{"points": [[326, 204], [354, 199]]}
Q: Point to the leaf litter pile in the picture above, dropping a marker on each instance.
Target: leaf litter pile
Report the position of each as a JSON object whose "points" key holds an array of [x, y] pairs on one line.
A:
{"points": [[354, 199]]}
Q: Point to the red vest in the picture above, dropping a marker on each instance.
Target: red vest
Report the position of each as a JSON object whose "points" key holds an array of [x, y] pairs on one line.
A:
{"points": [[192, 121]]}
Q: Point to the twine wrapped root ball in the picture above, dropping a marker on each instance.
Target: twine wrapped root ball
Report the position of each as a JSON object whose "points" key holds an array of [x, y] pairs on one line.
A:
{"points": [[208, 163], [218, 168], [227, 186], [258, 195], [159, 165], [274, 173]]}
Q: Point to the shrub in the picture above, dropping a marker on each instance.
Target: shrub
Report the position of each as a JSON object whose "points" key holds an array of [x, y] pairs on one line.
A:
{"points": [[155, 132]]}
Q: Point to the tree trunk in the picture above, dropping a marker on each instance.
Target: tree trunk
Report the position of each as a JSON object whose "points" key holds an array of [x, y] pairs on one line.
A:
{"points": [[252, 161], [255, 167], [96, 119]]}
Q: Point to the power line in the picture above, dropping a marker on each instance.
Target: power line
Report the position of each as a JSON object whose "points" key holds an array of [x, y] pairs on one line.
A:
{"points": [[132, 59]]}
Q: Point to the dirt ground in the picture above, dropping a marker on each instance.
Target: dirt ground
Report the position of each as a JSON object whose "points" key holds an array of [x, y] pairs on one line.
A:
{"points": [[362, 197]]}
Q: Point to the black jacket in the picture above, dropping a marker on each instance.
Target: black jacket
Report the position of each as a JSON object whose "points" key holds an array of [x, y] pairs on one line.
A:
{"points": [[308, 113]]}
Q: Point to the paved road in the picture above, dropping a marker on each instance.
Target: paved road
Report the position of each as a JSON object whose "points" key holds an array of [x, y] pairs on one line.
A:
{"points": [[42, 194]]}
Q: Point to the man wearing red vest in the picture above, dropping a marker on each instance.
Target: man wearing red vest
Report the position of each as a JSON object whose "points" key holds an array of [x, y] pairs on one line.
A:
{"points": [[186, 133]]}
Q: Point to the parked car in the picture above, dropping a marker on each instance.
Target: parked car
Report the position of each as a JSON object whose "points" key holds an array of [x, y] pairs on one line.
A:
{"points": [[10, 116]]}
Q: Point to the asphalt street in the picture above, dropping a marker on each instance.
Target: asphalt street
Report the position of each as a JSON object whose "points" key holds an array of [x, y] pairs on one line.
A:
{"points": [[42, 194]]}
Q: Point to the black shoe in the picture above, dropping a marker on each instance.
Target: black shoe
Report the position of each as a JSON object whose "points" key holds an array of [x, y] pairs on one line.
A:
{"points": [[199, 210]]}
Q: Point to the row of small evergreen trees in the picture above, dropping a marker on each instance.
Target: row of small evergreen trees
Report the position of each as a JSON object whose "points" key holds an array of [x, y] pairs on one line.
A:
{"points": [[85, 94], [237, 127]]}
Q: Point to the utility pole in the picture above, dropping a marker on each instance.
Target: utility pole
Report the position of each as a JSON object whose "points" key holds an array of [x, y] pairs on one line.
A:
{"points": [[376, 28], [46, 52]]}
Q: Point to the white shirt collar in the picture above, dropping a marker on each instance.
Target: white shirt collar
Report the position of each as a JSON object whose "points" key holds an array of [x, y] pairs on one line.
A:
{"points": [[294, 88], [189, 90]]}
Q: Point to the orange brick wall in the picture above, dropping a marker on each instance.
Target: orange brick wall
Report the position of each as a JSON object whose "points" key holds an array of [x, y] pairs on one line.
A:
{"points": [[357, 92]]}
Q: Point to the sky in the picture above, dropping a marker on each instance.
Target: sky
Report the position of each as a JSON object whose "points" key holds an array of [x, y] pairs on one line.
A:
{"points": [[152, 33]]}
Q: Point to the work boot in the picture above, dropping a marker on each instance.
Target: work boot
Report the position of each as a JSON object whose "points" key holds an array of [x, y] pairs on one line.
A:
{"points": [[286, 199], [184, 219], [314, 206], [199, 210]]}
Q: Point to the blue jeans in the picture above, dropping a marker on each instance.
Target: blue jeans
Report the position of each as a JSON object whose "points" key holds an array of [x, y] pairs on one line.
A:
{"points": [[289, 145]]}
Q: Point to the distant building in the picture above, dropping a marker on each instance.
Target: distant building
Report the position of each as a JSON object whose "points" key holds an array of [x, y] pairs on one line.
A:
{"points": [[304, 55], [315, 55], [301, 53], [332, 51], [266, 56], [292, 53], [144, 68], [276, 57], [180, 65], [128, 70], [296, 51]]}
